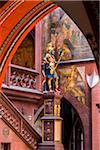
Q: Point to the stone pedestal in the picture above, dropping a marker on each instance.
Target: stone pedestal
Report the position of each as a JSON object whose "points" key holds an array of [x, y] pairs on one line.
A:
{"points": [[51, 123], [59, 146], [51, 146]]}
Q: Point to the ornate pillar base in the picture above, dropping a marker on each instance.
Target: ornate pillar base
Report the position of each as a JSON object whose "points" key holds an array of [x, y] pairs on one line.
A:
{"points": [[51, 123], [46, 146], [51, 146]]}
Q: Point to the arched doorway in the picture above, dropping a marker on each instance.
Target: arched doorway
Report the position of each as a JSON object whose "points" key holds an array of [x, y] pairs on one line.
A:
{"points": [[17, 46], [72, 129], [11, 38]]}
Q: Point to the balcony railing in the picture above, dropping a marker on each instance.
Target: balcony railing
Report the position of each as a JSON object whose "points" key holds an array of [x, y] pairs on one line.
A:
{"points": [[21, 77]]}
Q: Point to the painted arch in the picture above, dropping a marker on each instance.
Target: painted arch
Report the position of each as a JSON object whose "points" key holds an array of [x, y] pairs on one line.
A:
{"points": [[17, 20]]}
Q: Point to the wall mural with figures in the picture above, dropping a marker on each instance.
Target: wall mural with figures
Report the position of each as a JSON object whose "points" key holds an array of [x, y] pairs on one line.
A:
{"points": [[62, 32], [63, 41], [72, 80], [24, 55]]}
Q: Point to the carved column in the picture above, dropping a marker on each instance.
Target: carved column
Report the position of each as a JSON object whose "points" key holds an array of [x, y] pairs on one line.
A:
{"points": [[51, 123], [38, 53]]}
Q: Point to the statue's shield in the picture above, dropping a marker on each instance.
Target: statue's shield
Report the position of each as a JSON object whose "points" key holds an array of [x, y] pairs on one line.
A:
{"points": [[92, 79]]}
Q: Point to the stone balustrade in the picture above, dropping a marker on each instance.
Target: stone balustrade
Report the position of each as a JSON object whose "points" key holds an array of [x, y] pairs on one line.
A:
{"points": [[10, 115], [21, 77]]}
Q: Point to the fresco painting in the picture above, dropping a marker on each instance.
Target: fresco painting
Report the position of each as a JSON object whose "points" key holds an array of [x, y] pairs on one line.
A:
{"points": [[72, 80], [63, 33]]}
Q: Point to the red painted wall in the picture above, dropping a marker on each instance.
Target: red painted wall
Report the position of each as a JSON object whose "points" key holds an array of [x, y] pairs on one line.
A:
{"points": [[8, 136], [28, 110], [95, 118]]}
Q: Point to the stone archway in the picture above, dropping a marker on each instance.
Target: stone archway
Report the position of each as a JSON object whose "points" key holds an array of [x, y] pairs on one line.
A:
{"points": [[82, 118], [19, 28], [83, 112], [72, 127], [21, 25]]}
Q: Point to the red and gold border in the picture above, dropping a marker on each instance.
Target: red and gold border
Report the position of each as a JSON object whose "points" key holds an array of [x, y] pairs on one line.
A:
{"points": [[18, 29]]}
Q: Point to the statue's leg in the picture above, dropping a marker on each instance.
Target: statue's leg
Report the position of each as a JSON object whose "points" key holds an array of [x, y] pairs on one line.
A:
{"points": [[49, 84], [45, 86]]}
